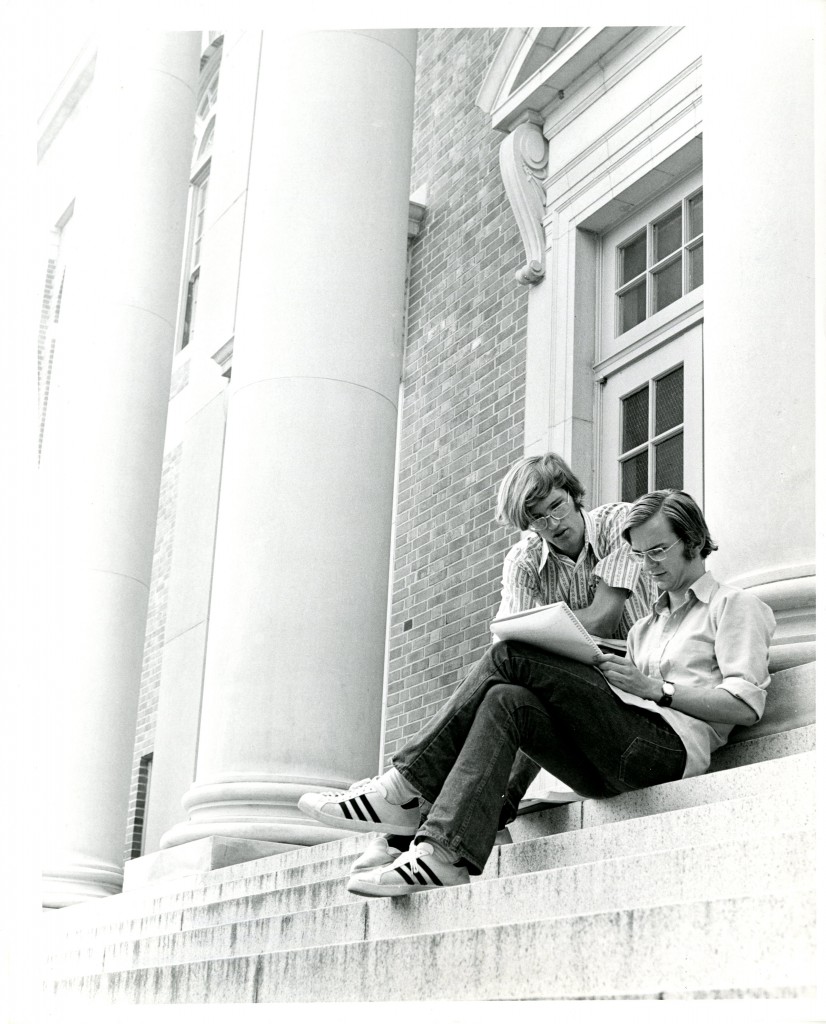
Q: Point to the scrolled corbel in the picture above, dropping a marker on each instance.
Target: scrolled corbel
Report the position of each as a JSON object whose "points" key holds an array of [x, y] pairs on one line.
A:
{"points": [[532, 272], [523, 160]]}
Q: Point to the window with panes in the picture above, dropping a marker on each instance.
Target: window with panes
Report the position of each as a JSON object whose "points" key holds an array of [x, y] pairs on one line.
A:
{"points": [[205, 117], [649, 360], [660, 264]]}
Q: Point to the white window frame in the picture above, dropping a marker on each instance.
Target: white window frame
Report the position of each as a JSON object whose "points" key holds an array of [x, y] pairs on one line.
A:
{"points": [[647, 352], [686, 350], [195, 217], [610, 342], [205, 120]]}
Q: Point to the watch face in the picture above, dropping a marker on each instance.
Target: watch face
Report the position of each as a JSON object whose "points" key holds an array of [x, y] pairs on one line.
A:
{"points": [[669, 689]]}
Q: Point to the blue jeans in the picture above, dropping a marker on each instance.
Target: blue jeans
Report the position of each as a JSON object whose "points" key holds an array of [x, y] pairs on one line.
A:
{"points": [[565, 718]]}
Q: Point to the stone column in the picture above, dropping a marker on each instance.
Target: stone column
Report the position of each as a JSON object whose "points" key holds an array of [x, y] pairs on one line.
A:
{"points": [[103, 447], [760, 320], [295, 650]]}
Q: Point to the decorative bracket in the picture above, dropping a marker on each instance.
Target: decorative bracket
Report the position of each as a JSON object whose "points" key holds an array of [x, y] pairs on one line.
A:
{"points": [[523, 159]]}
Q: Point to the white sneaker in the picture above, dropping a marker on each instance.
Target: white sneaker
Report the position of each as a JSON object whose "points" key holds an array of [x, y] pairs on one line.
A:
{"points": [[364, 807], [415, 870], [378, 853]]}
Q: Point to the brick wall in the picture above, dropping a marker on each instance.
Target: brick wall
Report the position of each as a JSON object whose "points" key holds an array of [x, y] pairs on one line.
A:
{"points": [[463, 384], [49, 312], [152, 653]]}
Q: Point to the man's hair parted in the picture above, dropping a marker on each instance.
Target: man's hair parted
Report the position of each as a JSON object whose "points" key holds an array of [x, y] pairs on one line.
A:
{"points": [[681, 511], [531, 480]]}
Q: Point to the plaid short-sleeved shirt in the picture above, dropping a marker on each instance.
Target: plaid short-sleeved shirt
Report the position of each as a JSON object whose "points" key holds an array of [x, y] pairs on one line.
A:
{"points": [[536, 573]]}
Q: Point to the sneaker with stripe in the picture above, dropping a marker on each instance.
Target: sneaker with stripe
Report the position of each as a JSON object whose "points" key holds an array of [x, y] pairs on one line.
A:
{"points": [[415, 870], [364, 807], [377, 854]]}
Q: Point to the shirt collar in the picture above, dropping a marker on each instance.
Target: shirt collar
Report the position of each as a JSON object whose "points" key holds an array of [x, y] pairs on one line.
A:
{"points": [[703, 590], [590, 538]]}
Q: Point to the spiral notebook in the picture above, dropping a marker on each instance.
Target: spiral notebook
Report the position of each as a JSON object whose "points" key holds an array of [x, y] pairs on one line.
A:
{"points": [[555, 628]]}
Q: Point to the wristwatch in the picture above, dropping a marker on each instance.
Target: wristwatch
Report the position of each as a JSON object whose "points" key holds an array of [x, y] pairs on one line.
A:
{"points": [[668, 694]]}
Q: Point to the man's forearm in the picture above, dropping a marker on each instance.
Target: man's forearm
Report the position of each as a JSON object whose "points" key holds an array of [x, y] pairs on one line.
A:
{"points": [[715, 705], [603, 614], [710, 705]]}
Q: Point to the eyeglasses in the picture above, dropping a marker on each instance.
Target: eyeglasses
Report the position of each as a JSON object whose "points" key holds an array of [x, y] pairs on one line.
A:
{"points": [[654, 554], [553, 515]]}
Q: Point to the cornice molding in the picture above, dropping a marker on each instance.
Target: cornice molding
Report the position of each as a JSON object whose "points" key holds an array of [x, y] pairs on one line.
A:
{"points": [[415, 217], [500, 67], [523, 162], [66, 97]]}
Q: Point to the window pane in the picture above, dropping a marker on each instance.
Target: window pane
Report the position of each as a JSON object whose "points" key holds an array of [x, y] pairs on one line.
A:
{"points": [[635, 477], [189, 313], [635, 419], [695, 267], [668, 234], [668, 284], [632, 308], [695, 216], [668, 462], [668, 396], [632, 259]]}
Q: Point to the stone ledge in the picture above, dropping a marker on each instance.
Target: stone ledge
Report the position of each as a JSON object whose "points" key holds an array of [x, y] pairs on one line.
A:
{"points": [[194, 858]]}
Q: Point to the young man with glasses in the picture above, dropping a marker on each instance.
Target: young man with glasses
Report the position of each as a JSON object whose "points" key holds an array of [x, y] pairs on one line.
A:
{"points": [[569, 554], [696, 666]]}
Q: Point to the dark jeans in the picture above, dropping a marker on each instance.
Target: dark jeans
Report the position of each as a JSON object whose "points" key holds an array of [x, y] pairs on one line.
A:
{"points": [[565, 718]]}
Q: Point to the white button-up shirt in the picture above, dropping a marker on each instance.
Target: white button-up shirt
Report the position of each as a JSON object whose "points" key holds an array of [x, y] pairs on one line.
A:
{"points": [[718, 638]]}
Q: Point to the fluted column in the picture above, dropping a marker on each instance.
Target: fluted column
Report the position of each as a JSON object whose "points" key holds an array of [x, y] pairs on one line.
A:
{"points": [[760, 321], [295, 651], [103, 449]]}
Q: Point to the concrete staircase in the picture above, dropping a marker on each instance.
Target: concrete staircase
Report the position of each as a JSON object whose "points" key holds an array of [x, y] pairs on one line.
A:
{"points": [[702, 888]]}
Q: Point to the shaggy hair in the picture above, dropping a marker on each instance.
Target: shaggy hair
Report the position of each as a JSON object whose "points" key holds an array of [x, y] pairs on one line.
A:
{"points": [[681, 511], [530, 481]]}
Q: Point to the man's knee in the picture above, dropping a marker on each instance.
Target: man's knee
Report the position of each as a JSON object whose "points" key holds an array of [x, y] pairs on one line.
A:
{"points": [[502, 653], [506, 698]]}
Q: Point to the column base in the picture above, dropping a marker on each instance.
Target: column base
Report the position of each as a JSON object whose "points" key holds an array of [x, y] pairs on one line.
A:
{"points": [[791, 594], [196, 858], [252, 809], [84, 881]]}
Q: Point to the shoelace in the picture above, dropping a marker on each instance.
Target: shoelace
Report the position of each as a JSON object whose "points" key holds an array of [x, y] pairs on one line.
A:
{"points": [[358, 787], [374, 783], [415, 870]]}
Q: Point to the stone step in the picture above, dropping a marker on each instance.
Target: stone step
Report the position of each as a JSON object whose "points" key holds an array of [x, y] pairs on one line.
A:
{"points": [[710, 871], [782, 777], [774, 799], [743, 818], [309, 861], [750, 749], [763, 942]]}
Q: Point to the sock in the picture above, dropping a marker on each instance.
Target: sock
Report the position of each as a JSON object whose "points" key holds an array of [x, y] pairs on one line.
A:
{"points": [[400, 843], [440, 852], [399, 790]]}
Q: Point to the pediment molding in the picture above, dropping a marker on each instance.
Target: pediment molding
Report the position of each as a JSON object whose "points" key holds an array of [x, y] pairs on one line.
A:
{"points": [[533, 67]]}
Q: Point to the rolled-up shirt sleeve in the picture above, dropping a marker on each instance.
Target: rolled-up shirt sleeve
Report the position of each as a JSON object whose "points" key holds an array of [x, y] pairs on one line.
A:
{"points": [[619, 569], [520, 584], [744, 629]]}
